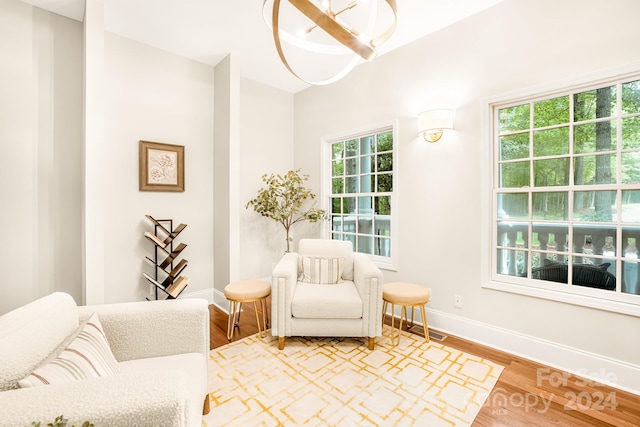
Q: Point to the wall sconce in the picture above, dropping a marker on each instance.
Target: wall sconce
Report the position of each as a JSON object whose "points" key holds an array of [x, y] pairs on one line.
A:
{"points": [[432, 123]]}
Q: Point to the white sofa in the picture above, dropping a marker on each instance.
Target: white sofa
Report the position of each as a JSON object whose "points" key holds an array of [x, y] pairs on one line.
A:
{"points": [[352, 307], [160, 348]]}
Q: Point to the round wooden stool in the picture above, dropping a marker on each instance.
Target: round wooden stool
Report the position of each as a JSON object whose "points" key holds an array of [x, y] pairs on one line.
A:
{"points": [[247, 291], [405, 295]]}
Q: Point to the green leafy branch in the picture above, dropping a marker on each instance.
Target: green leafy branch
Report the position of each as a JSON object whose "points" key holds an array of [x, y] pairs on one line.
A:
{"points": [[283, 199], [61, 421]]}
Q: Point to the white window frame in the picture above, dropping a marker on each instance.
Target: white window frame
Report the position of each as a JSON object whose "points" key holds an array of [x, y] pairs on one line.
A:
{"points": [[582, 296], [385, 263]]}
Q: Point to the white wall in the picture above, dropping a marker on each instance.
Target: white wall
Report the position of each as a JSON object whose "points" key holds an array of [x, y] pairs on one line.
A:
{"points": [[514, 45], [40, 154], [266, 123], [155, 96], [150, 95]]}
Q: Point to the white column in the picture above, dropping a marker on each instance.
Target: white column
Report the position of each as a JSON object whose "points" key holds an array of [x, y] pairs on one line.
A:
{"points": [[234, 170], [94, 154]]}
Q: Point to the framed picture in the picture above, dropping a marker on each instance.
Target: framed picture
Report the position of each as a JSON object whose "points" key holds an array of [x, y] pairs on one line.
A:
{"points": [[161, 167]]}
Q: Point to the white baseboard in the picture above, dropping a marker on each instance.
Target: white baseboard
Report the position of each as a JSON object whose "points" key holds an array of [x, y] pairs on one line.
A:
{"points": [[599, 369], [220, 301], [214, 297], [207, 294]]}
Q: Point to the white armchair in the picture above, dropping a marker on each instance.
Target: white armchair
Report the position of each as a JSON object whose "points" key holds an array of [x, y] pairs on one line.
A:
{"points": [[326, 289], [161, 349]]}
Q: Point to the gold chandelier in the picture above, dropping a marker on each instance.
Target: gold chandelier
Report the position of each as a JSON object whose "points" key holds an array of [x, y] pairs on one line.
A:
{"points": [[338, 28]]}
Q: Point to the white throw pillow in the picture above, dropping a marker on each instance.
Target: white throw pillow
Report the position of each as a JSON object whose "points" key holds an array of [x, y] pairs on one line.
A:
{"points": [[321, 270], [87, 356]]}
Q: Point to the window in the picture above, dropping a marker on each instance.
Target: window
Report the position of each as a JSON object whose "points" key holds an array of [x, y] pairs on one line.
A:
{"points": [[360, 193], [566, 192]]}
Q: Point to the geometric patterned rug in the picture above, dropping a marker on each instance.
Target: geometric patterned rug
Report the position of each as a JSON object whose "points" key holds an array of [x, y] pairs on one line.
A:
{"points": [[339, 382]]}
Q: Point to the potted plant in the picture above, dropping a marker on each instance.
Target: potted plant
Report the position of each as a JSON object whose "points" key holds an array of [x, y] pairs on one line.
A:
{"points": [[283, 200]]}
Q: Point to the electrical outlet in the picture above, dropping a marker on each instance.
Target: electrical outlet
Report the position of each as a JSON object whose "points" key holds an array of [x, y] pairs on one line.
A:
{"points": [[457, 301]]}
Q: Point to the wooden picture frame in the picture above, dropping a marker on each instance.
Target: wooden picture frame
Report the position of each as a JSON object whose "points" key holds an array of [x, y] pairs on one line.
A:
{"points": [[161, 167]]}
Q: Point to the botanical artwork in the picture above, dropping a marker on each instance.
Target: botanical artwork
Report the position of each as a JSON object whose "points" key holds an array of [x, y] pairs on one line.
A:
{"points": [[161, 167]]}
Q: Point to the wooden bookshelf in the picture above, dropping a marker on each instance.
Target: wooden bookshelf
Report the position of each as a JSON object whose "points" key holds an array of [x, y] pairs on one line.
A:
{"points": [[167, 279]]}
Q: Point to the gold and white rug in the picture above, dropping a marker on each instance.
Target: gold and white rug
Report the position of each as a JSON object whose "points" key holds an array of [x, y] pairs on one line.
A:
{"points": [[339, 382]]}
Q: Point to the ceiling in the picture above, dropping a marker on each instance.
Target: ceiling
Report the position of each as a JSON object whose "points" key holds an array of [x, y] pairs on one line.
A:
{"points": [[209, 30]]}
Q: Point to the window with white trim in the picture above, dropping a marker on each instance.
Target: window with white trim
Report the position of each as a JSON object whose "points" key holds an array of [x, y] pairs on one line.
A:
{"points": [[566, 191], [359, 192]]}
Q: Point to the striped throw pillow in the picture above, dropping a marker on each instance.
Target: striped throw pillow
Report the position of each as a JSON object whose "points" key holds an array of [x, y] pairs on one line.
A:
{"points": [[320, 270], [87, 356]]}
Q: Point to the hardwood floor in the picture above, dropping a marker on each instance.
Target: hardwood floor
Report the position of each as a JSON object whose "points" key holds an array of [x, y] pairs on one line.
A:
{"points": [[527, 393]]}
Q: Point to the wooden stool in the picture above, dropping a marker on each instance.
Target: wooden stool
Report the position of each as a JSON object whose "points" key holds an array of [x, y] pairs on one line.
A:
{"points": [[405, 295], [247, 291]]}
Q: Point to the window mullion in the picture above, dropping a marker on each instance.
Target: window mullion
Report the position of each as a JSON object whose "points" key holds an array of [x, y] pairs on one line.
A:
{"points": [[363, 154], [586, 210]]}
